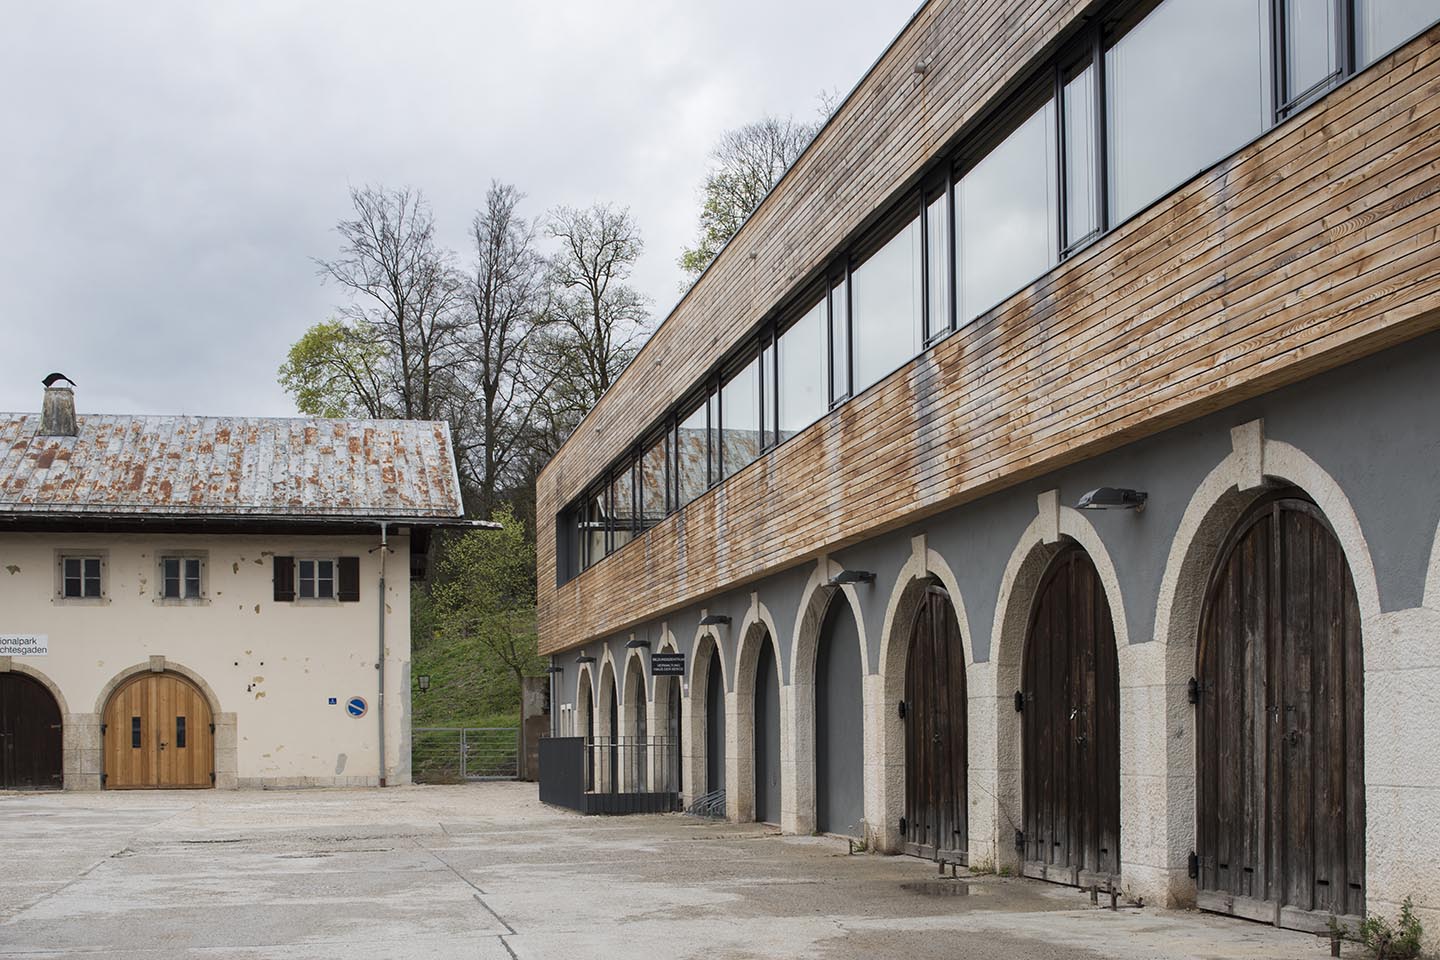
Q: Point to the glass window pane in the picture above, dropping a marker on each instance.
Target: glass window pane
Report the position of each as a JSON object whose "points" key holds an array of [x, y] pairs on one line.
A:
{"points": [[690, 456], [192, 578], [937, 264], [740, 417], [307, 579], [1183, 90], [839, 341], [802, 372], [1005, 216], [1310, 54], [324, 579], [622, 506], [593, 527], [1082, 213], [767, 395], [653, 487], [180, 733], [1382, 25], [170, 568], [885, 307]]}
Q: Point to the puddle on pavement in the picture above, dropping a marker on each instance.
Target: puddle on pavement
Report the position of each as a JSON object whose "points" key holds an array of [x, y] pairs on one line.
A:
{"points": [[938, 888]]}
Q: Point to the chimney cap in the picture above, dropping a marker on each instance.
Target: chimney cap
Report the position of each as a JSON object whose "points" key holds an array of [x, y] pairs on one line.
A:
{"points": [[55, 378]]}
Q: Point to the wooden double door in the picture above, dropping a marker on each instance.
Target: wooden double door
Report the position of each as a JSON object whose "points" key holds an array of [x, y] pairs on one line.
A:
{"points": [[1280, 798], [30, 734], [158, 735], [936, 766], [1070, 722]]}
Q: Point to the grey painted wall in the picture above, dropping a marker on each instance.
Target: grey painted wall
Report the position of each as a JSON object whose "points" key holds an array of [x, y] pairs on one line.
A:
{"points": [[714, 726], [839, 725]]}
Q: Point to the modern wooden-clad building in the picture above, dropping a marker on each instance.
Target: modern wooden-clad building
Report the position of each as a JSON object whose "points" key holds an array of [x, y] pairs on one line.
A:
{"points": [[1047, 475]]}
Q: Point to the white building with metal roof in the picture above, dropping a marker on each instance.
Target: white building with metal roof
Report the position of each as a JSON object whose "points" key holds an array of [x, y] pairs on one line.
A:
{"points": [[211, 601]]}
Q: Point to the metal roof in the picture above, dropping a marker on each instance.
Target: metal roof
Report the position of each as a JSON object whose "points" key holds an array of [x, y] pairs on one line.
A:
{"points": [[230, 467]]}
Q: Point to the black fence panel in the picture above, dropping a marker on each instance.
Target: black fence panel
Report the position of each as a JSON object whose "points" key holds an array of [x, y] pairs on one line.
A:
{"points": [[563, 772], [610, 775]]}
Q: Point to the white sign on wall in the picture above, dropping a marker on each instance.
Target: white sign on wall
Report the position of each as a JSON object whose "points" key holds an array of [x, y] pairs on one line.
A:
{"points": [[24, 644]]}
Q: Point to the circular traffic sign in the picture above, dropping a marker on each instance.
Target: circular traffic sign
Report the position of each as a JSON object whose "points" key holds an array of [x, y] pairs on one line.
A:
{"points": [[356, 707]]}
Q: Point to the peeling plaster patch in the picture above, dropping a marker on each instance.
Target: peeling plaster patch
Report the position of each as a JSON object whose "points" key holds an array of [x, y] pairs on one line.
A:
{"points": [[257, 610], [259, 563], [259, 679], [260, 695], [235, 567], [12, 569]]}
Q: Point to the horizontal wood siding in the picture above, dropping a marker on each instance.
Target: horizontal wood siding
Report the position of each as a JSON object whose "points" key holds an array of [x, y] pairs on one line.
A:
{"points": [[1309, 248]]}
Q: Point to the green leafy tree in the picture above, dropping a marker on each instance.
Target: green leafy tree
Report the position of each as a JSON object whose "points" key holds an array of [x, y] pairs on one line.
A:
{"points": [[336, 370]]}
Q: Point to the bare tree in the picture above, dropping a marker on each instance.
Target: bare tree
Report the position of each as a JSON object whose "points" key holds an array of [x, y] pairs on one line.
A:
{"points": [[746, 163], [403, 288], [505, 301], [597, 319]]}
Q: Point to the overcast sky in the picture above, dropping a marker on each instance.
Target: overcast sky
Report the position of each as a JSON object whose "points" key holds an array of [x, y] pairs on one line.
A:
{"points": [[169, 169]]}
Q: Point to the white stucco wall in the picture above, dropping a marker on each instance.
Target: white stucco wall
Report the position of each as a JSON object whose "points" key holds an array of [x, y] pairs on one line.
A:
{"points": [[270, 667]]}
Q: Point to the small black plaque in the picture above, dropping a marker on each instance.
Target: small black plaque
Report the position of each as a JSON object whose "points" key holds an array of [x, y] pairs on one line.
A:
{"points": [[667, 664]]}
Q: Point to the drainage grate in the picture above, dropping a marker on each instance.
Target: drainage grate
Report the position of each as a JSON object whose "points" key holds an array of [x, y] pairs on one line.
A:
{"points": [[938, 888]]}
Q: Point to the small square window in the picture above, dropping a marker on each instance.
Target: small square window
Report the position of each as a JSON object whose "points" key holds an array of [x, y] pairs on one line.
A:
{"points": [[317, 579], [80, 578], [180, 578]]}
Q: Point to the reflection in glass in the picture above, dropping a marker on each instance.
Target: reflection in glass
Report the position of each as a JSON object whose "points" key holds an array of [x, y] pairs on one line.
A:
{"points": [[740, 417], [1310, 49], [1382, 25], [1082, 208], [885, 305], [937, 265], [802, 372], [839, 342], [653, 488], [622, 504], [1005, 225], [592, 528], [691, 455], [767, 395], [1182, 93]]}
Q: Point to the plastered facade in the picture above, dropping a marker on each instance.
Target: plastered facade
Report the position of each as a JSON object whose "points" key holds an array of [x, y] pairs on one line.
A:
{"points": [[1357, 441], [267, 668]]}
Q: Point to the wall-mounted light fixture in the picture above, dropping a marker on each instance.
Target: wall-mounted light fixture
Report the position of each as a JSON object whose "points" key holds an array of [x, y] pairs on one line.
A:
{"points": [[1113, 498], [423, 681], [637, 644], [852, 576], [713, 619], [584, 659], [554, 669]]}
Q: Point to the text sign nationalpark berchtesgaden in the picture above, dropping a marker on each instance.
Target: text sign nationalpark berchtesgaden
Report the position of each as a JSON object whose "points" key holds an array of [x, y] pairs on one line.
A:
{"points": [[667, 664], [24, 644]]}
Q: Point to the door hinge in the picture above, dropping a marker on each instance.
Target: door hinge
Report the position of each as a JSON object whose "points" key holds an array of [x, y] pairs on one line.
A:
{"points": [[1020, 840], [212, 730], [1019, 701], [212, 776], [902, 710], [904, 826], [104, 777], [1193, 690], [102, 728], [1193, 865]]}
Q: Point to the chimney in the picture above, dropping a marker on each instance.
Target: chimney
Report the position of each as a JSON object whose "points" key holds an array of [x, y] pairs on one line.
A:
{"points": [[57, 418]]}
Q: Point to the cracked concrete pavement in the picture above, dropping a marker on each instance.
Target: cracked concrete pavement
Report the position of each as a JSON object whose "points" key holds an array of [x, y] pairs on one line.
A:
{"points": [[486, 871]]}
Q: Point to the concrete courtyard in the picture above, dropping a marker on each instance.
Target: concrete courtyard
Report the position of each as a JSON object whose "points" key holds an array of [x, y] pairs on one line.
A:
{"points": [[486, 871]]}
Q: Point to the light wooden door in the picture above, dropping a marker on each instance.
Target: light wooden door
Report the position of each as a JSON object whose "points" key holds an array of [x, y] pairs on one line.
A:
{"points": [[158, 735]]}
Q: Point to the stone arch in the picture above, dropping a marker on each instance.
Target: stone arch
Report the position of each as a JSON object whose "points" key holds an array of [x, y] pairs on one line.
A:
{"points": [[667, 695], [607, 719], [757, 629], [1254, 466], [1053, 527], [696, 714], [41, 678], [887, 762], [584, 703], [227, 740]]}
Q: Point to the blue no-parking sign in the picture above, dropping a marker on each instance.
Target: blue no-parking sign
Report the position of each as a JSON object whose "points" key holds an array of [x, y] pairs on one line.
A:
{"points": [[356, 707]]}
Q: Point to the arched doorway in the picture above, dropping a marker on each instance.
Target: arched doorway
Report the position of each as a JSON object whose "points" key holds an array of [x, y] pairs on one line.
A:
{"points": [[635, 741], [585, 710], [714, 724], [158, 735], [608, 746], [767, 734], [936, 753], [31, 734], [1280, 799], [668, 767], [839, 724], [1070, 728]]}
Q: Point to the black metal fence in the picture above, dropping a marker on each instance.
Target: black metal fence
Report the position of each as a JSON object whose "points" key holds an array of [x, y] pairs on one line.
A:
{"points": [[610, 774]]}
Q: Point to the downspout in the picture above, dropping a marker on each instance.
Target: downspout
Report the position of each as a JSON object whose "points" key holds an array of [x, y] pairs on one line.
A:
{"points": [[380, 665]]}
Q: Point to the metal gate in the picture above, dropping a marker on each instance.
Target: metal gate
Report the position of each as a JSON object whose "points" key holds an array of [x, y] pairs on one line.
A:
{"points": [[460, 754]]}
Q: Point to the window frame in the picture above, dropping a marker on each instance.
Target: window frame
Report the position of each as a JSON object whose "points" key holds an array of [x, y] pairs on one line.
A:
{"points": [[183, 557], [316, 579], [102, 578]]}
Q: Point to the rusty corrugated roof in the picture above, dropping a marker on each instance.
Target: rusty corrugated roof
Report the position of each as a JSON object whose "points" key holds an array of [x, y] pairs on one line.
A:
{"points": [[230, 466]]}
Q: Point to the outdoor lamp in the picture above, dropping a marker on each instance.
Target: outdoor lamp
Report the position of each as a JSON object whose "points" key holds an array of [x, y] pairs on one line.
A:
{"points": [[1113, 498], [852, 576], [424, 681], [637, 644], [713, 619]]}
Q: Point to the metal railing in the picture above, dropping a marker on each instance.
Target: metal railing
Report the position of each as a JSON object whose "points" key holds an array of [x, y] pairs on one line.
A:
{"points": [[460, 754], [632, 765]]}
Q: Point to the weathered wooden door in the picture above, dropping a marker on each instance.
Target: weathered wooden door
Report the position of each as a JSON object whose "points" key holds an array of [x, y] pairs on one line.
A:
{"points": [[936, 770], [714, 724], [1071, 728], [1280, 819], [30, 734], [158, 735], [767, 734]]}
